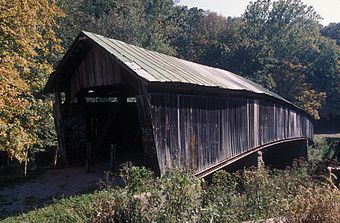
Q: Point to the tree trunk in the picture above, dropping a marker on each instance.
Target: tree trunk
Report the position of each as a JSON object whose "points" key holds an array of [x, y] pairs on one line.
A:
{"points": [[55, 156], [25, 164]]}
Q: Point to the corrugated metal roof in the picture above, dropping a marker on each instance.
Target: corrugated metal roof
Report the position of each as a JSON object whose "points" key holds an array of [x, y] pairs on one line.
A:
{"points": [[157, 67]]}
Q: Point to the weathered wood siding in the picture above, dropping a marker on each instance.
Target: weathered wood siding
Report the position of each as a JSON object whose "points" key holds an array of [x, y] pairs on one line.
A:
{"points": [[144, 115], [199, 132], [97, 69]]}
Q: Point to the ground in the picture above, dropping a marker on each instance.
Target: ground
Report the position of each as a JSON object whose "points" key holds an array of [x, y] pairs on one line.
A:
{"points": [[334, 135], [51, 185]]}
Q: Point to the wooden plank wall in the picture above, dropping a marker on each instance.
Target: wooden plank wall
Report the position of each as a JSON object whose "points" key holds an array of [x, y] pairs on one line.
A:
{"points": [[198, 132], [97, 69]]}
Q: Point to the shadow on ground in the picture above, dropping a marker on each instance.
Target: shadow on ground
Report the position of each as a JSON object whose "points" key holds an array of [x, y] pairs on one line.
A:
{"points": [[48, 187]]}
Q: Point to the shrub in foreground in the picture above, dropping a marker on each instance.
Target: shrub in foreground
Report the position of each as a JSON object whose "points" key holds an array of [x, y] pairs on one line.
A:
{"points": [[253, 194], [177, 196]]}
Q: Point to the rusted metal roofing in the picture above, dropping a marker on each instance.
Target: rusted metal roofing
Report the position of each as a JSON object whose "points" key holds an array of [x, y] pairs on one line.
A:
{"points": [[157, 67]]}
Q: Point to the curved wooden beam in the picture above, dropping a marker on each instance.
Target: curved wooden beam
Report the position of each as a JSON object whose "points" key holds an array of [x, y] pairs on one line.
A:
{"points": [[225, 163]]}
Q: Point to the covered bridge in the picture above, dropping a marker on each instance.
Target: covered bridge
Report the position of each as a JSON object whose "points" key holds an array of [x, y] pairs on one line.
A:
{"points": [[164, 111]]}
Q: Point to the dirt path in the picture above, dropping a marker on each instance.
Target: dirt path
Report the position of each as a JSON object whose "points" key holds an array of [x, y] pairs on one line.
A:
{"points": [[44, 189]]}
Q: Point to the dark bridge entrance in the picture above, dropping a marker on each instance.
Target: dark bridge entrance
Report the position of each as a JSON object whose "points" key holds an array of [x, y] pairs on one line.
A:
{"points": [[102, 118]]}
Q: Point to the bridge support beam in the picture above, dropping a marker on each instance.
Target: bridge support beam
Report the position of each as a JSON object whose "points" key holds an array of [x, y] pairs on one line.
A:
{"points": [[253, 160], [260, 162]]}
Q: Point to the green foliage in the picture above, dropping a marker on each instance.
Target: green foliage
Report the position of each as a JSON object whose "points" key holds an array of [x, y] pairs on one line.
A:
{"points": [[137, 179], [274, 43], [332, 31], [28, 46], [253, 194], [198, 32], [319, 151], [222, 202], [143, 23], [172, 198], [180, 195], [74, 209], [177, 196], [286, 50]]}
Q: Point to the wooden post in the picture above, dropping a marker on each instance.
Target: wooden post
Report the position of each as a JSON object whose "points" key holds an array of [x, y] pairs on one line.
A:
{"points": [[123, 124], [58, 121], [113, 149], [88, 157], [260, 162]]}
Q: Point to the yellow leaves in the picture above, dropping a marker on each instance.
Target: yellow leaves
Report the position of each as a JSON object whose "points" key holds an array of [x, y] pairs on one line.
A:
{"points": [[17, 140], [292, 76], [311, 100], [26, 28], [294, 66]]}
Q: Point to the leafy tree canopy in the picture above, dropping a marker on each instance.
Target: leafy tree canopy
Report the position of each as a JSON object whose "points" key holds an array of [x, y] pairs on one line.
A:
{"points": [[27, 48], [278, 45], [145, 23], [332, 31]]}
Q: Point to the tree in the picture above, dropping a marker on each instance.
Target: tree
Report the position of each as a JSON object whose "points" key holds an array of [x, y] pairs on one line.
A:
{"points": [[281, 46], [28, 46], [189, 39], [145, 23], [332, 31]]}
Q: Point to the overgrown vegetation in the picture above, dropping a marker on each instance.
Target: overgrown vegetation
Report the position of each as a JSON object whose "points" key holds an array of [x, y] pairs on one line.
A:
{"points": [[296, 194]]}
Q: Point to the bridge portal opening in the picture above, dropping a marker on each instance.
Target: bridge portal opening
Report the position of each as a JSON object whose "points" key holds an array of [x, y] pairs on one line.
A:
{"points": [[106, 120]]}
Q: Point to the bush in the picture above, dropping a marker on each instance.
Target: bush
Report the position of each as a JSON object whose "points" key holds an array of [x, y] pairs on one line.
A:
{"points": [[221, 201], [172, 198], [180, 197], [319, 151], [252, 194], [177, 196], [315, 205]]}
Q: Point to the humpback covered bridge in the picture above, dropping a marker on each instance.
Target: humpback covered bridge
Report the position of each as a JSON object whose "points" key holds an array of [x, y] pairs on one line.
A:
{"points": [[164, 111]]}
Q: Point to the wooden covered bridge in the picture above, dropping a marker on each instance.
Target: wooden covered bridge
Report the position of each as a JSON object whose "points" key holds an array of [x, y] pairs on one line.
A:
{"points": [[164, 111]]}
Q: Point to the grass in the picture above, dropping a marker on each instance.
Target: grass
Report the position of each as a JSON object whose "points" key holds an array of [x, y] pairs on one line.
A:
{"points": [[298, 194], [73, 209], [253, 194]]}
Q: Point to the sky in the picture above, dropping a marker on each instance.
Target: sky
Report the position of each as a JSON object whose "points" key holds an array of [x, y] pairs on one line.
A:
{"points": [[328, 9]]}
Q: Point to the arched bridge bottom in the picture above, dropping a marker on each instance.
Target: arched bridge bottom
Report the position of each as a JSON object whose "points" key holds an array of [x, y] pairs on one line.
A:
{"points": [[278, 154]]}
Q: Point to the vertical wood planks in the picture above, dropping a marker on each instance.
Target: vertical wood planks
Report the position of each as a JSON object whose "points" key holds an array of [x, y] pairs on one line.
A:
{"points": [[198, 132], [97, 69]]}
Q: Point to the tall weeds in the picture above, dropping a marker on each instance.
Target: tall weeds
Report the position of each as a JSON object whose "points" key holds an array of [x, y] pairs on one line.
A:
{"points": [[252, 194]]}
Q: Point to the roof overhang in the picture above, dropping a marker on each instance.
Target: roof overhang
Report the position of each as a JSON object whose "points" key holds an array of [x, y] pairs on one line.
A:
{"points": [[73, 56]]}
